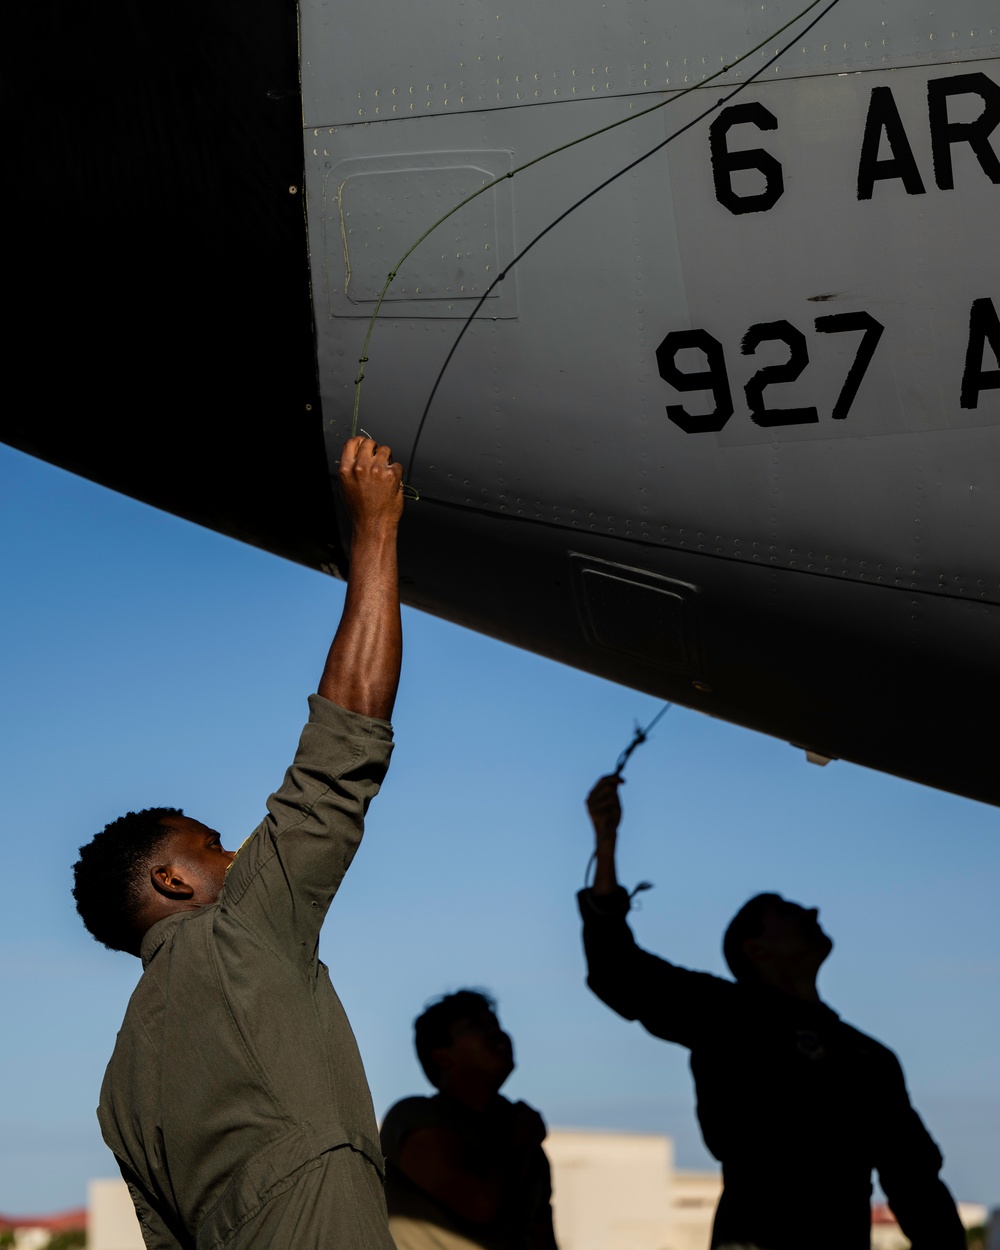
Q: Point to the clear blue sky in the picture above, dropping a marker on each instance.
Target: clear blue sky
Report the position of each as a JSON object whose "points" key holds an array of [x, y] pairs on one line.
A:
{"points": [[147, 661]]}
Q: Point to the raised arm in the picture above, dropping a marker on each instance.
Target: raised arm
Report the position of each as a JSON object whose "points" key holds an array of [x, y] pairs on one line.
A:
{"points": [[605, 812], [671, 1002], [286, 874], [362, 668]]}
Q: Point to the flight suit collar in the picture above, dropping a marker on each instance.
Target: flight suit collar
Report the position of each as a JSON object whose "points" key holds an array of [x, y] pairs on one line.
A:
{"points": [[157, 934]]}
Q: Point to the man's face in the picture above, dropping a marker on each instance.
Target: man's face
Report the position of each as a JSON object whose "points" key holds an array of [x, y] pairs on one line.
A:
{"points": [[198, 855], [479, 1045], [792, 934]]}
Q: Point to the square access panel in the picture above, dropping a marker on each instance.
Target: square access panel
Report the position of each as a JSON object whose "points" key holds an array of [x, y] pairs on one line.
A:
{"points": [[376, 208], [638, 614]]}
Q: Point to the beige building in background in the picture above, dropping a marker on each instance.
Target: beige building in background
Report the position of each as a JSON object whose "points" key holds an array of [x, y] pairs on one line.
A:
{"points": [[111, 1221], [887, 1235], [620, 1191], [611, 1191]]}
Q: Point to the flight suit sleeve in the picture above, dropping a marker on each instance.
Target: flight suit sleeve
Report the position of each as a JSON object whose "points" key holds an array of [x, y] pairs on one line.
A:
{"points": [[287, 872], [670, 1002], [908, 1162], [156, 1232]]}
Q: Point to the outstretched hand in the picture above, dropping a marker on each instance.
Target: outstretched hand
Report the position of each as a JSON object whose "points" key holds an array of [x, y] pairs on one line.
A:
{"points": [[362, 667], [605, 808], [605, 811], [371, 483]]}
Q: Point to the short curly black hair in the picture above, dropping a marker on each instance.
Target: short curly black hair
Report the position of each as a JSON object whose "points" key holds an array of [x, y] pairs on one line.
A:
{"points": [[109, 874], [432, 1029]]}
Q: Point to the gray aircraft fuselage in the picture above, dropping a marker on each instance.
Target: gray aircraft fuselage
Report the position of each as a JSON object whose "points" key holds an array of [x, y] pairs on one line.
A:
{"points": [[707, 404]]}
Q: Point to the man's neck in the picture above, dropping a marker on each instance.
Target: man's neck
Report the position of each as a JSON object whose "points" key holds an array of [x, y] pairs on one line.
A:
{"points": [[801, 986], [470, 1092]]}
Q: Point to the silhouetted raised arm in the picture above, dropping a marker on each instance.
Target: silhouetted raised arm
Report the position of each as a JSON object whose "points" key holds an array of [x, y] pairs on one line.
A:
{"points": [[670, 1002], [605, 812]]}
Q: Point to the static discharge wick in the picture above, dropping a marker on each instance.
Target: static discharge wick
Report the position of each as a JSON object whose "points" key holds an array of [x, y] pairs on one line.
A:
{"points": [[638, 738]]}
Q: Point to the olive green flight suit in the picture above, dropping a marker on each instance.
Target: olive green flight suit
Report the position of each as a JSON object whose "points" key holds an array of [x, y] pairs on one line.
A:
{"points": [[235, 1101]]}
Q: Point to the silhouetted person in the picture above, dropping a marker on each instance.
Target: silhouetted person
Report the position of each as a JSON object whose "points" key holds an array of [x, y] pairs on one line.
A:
{"points": [[798, 1107], [235, 1100], [465, 1168]]}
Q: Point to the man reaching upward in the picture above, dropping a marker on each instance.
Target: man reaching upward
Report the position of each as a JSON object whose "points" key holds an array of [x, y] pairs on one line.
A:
{"points": [[798, 1107], [235, 1100]]}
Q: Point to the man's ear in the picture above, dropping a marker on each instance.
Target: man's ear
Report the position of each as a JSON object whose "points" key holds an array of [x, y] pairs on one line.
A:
{"points": [[168, 880]]}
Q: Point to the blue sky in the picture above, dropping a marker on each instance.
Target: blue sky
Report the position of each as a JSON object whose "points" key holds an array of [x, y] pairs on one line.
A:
{"points": [[147, 661]]}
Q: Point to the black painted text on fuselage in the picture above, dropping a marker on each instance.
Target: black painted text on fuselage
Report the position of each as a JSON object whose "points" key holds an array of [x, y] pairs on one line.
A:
{"points": [[976, 376], [882, 123]]}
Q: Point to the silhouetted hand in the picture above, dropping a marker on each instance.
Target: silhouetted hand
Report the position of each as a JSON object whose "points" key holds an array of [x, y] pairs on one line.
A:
{"points": [[605, 809]]}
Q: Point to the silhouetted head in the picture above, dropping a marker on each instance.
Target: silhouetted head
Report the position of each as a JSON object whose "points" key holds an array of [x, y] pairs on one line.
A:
{"points": [[770, 938], [143, 867], [459, 1041]]}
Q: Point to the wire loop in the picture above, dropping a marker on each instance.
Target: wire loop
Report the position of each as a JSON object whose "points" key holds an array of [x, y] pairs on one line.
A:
{"points": [[562, 148]]}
